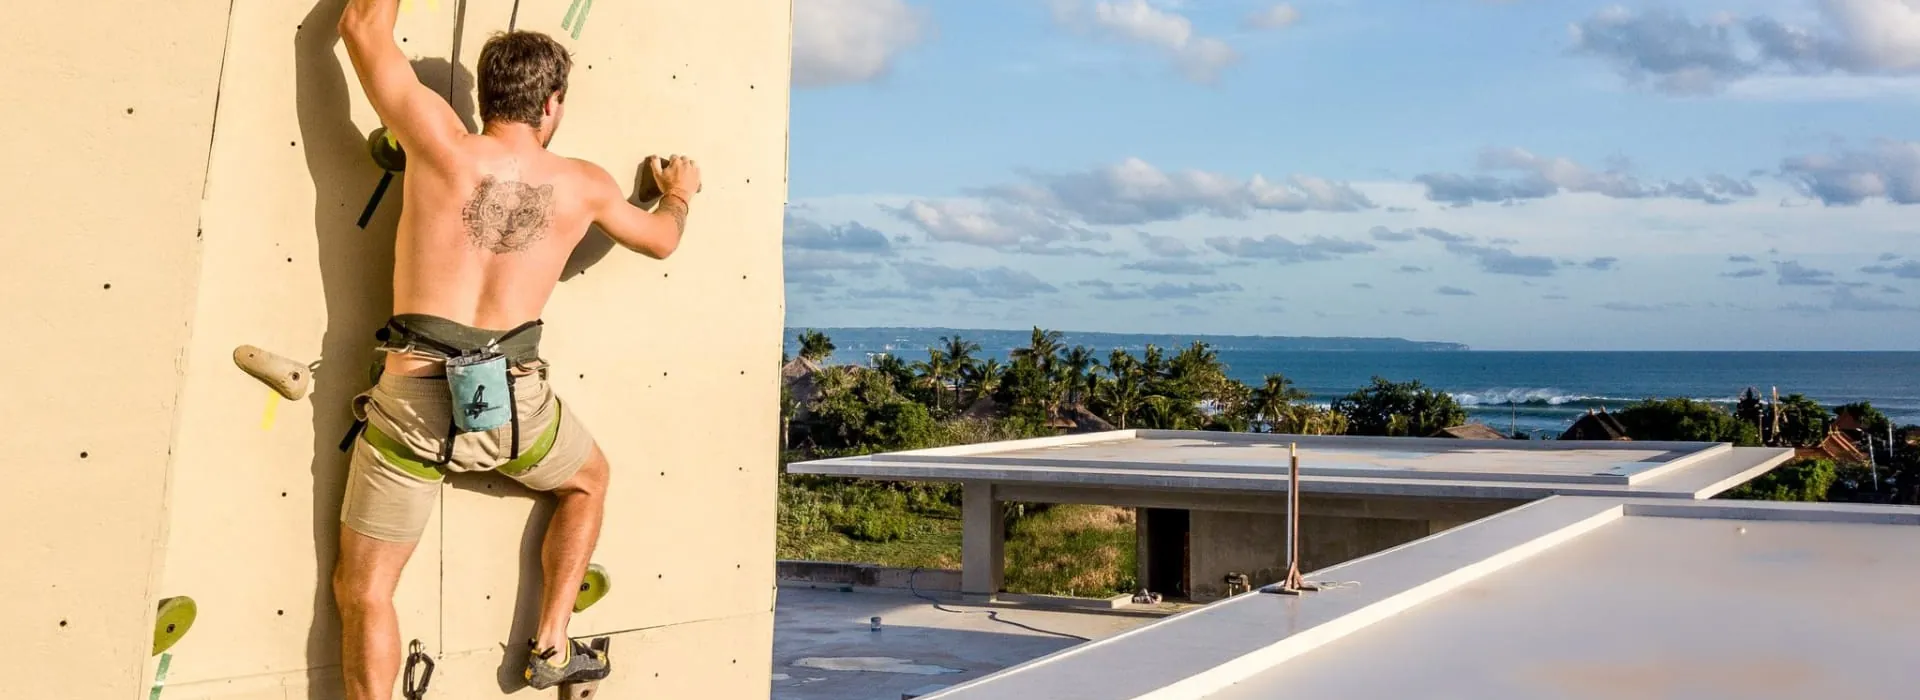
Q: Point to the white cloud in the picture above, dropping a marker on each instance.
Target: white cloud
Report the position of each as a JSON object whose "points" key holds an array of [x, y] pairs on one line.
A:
{"points": [[1135, 191], [852, 41], [994, 224], [1886, 168], [1200, 58], [1542, 176], [1279, 16], [1676, 54]]}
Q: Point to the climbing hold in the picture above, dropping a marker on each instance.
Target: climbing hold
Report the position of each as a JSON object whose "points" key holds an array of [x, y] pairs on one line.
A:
{"points": [[386, 150], [175, 618], [593, 588], [291, 379]]}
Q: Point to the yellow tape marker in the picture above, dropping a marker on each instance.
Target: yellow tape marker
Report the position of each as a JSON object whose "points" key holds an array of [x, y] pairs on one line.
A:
{"points": [[273, 410], [406, 5], [433, 5]]}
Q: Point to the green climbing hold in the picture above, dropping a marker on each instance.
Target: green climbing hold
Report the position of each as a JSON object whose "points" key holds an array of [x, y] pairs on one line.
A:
{"points": [[386, 150], [175, 618], [592, 589]]}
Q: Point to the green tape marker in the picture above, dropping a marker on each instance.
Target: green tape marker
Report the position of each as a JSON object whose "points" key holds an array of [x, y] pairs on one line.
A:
{"points": [[577, 21], [160, 676]]}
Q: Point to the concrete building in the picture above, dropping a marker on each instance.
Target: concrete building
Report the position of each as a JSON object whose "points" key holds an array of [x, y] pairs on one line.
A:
{"points": [[1212, 505], [1568, 597]]}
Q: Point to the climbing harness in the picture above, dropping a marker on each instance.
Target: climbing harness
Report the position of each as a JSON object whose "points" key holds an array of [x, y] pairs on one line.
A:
{"points": [[477, 380], [416, 687]]}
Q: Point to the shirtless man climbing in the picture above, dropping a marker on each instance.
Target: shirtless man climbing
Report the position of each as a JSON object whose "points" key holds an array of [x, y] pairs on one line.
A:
{"points": [[487, 223]]}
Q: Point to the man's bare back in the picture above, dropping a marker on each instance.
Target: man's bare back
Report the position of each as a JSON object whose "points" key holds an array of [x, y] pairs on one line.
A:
{"points": [[489, 219]]}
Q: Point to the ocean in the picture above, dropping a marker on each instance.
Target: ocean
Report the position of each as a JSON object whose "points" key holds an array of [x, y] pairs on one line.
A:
{"points": [[1541, 393]]}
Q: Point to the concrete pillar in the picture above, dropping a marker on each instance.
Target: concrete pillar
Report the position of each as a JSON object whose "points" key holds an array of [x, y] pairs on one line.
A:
{"points": [[982, 540], [1142, 552]]}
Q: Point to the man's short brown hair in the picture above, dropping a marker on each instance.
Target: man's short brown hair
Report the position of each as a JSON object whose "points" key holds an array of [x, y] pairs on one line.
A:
{"points": [[518, 71]]}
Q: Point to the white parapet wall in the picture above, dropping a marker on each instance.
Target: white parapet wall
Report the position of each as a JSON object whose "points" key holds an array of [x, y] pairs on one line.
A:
{"points": [[192, 176]]}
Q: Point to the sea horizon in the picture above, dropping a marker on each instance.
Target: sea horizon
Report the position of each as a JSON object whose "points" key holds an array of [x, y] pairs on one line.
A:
{"points": [[1536, 392]]}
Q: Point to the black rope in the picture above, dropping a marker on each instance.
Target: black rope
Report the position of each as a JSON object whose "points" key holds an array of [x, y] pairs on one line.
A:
{"points": [[991, 614], [513, 22]]}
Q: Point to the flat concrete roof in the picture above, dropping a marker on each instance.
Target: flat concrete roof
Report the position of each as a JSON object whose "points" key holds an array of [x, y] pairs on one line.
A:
{"points": [[1347, 465], [1566, 597], [824, 647]]}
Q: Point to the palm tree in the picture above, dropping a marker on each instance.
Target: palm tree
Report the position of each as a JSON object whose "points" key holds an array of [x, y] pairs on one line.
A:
{"points": [[933, 373], [986, 377], [960, 361], [1123, 394], [815, 346], [1044, 346], [892, 368], [1078, 363], [1273, 403]]}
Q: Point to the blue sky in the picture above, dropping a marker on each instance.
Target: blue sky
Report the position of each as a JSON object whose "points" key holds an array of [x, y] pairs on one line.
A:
{"points": [[1511, 174]]}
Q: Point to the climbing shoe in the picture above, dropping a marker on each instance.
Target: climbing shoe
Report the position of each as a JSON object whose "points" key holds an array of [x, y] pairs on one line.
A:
{"points": [[545, 670]]}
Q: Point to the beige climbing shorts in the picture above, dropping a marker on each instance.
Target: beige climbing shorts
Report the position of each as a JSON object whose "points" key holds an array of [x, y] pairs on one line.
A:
{"points": [[395, 472]]}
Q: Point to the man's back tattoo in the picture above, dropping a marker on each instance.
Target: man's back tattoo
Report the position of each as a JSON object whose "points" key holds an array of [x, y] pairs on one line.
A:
{"points": [[507, 216]]}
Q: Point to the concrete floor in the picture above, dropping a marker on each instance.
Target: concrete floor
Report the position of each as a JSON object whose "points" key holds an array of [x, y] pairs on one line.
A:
{"points": [[824, 649]]}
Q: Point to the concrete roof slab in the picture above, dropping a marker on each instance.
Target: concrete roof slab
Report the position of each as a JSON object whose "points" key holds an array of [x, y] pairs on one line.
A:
{"points": [[1348, 465], [1566, 597]]}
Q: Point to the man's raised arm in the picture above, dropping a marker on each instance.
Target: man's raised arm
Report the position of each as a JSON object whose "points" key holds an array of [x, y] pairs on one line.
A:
{"points": [[414, 113], [656, 233]]}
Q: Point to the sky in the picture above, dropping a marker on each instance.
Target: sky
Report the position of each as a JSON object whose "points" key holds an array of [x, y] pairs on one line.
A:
{"points": [[1509, 174]]}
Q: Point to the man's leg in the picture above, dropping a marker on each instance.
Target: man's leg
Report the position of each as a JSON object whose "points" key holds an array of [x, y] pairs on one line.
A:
{"points": [[571, 535], [364, 580]]}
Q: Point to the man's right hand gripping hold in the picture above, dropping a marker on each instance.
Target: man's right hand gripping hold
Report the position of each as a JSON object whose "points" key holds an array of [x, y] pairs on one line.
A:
{"points": [[487, 223]]}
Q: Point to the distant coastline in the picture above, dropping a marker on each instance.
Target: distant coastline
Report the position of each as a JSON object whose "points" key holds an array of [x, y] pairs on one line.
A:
{"points": [[912, 341]]}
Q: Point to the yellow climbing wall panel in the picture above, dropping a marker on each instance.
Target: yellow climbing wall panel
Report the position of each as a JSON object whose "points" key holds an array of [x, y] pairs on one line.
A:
{"points": [[232, 497], [108, 110]]}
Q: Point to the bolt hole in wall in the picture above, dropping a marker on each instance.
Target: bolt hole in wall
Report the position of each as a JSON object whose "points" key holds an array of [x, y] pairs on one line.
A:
{"points": [[83, 455], [108, 285]]}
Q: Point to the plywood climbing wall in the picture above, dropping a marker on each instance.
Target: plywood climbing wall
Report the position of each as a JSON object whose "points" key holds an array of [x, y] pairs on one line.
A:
{"points": [[109, 106], [230, 494]]}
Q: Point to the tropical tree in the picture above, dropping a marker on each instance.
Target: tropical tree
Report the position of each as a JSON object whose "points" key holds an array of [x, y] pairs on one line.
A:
{"points": [[1078, 364], [892, 368], [933, 373], [1402, 409], [1042, 350], [1273, 404], [1685, 420], [960, 362], [986, 377], [1803, 421], [815, 346]]}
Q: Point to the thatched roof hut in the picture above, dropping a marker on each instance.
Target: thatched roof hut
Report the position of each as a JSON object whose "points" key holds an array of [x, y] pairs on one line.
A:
{"points": [[798, 375], [1077, 419], [1596, 425], [1470, 431]]}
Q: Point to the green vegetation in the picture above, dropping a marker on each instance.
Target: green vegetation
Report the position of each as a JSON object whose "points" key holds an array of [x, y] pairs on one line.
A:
{"points": [[1686, 420], [954, 397], [1800, 480]]}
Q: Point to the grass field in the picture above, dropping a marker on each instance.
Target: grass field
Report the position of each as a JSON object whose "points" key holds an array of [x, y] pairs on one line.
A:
{"points": [[1059, 550]]}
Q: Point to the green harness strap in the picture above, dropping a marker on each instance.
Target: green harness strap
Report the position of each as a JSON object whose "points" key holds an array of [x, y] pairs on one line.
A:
{"points": [[402, 456]]}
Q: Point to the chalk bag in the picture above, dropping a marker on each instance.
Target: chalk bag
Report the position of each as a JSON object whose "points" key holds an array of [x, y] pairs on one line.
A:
{"points": [[482, 391]]}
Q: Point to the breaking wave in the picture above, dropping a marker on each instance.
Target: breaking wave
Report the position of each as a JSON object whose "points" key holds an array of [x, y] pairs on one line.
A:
{"points": [[1552, 397]]}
